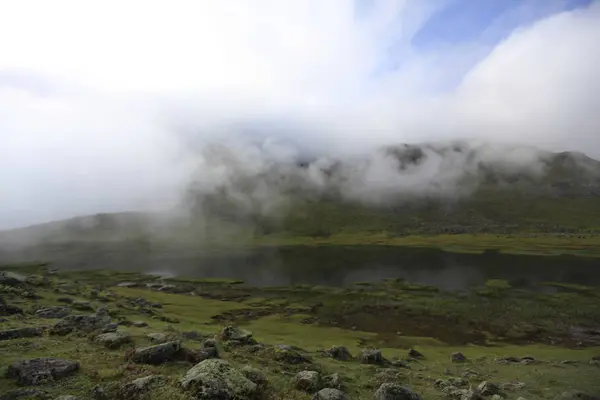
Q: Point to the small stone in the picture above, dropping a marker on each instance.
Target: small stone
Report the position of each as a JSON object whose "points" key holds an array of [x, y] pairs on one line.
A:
{"points": [[113, 340], [127, 284], [307, 381], [18, 333], [37, 371], [371, 356], [393, 391], [237, 335], [24, 394], [488, 388], [67, 397], [289, 355], [158, 337], [333, 381], [330, 394], [53, 312], [140, 324], [112, 327], [209, 343], [339, 353], [99, 393], [412, 353], [158, 354], [497, 397], [137, 387], [458, 357]]}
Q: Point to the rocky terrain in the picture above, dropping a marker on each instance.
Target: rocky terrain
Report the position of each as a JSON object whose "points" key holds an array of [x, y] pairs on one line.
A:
{"points": [[114, 335]]}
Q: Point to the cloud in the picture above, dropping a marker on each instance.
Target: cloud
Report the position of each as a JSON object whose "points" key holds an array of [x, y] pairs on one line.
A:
{"points": [[102, 102]]}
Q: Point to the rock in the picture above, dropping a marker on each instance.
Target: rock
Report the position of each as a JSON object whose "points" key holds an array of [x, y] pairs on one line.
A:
{"points": [[12, 278], [508, 360], [113, 340], [339, 353], [330, 394], [412, 353], [98, 393], [25, 394], [66, 300], [18, 333], [458, 357], [256, 376], [127, 284], [486, 388], [333, 381], [53, 312], [470, 395], [577, 395], [209, 343], [393, 391], [193, 335], [85, 323], [596, 358], [307, 381], [140, 324], [37, 371], [196, 356], [497, 397], [399, 364], [370, 356], [217, 379], [134, 389], [158, 337], [289, 354], [512, 386], [82, 305], [237, 335], [67, 397], [2, 320], [158, 354], [6, 310], [112, 327]]}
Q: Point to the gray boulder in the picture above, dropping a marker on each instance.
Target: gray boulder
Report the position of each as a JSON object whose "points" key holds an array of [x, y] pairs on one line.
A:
{"points": [[37, 371], [486, 388], [412, 353], [12, 278], [6, 310], [159, 337], [18, 333], [158, 354], [138, 387], [333, 381], [393, 391], [371, 356], [289, 355], [237, 336], [24, 394], [217, 379], [256, 376], [307, 381], [339, 353], [140, 324], [53, 312], [84, 323], [67, 397], [330, 394], [458, 357], [113, 340]]}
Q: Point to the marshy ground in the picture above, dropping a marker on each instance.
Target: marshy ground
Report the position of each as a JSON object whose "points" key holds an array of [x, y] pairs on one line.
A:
{"points": [[534, 344]]}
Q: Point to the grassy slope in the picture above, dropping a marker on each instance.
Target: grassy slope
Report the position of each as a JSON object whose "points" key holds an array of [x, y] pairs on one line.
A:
{"points": [[287, 323]]}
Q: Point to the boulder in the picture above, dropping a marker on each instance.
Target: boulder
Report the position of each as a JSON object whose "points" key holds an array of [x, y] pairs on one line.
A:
{"points": [[237, 336], [24, 394], [333, 381], [486, 388], [6, 309], [307, 381], [37, 371], [138, 387], [12, 278], [339, 353], [412, 353], [256, 376], [112, 327], [330, 394], [67, 397], [288, 354], [53, 312], [158, 354], [217, 379], [84, 323], [18, 333], [113, 340], [458, 357], [393, 391], [196, 356], [140, 324], [371, 356], [159, 337]]}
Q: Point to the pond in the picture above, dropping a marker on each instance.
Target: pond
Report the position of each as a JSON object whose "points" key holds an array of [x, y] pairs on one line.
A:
{"points": [[327, 265]]}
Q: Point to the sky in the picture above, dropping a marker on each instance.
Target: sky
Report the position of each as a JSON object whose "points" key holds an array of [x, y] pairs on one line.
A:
{"points": [[103, 102]]}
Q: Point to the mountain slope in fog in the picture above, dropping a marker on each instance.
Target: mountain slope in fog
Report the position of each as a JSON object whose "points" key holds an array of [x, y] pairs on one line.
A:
{"points": [[428, 188]]}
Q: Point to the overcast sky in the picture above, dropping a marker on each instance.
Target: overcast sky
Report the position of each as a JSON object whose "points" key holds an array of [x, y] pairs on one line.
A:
{"points": [[97, 97]]}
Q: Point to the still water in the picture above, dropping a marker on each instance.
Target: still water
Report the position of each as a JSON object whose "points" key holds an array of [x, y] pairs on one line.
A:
{"points": [[333, 266]]}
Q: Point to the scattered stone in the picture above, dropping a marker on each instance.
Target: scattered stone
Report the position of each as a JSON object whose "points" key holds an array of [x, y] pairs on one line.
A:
{"points": [[508, 360], [371, 356], [134, 389], [289, 354], [256, 376], [12, 278], [577, 395], [113, 340], [400, 364], [393, 391], [458, 357], [112, 327], [333, 381], [486, 388], [67, 397], [387, 375], [18, 333], [158, 337], [217, 379], [237, 336], [209, 343], [412, 353], [512, 386], [82, 305], [158, 354], [196, 356], [85, 323], [307, 381], [98, 393], [339, 353], [330, 394], [53, 312], [470, 395], [140, 324], [36, 371], [25, 394]]}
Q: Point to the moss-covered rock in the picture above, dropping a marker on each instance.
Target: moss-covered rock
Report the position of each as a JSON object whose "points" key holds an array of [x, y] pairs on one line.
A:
{"points": [[217, 379]]}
